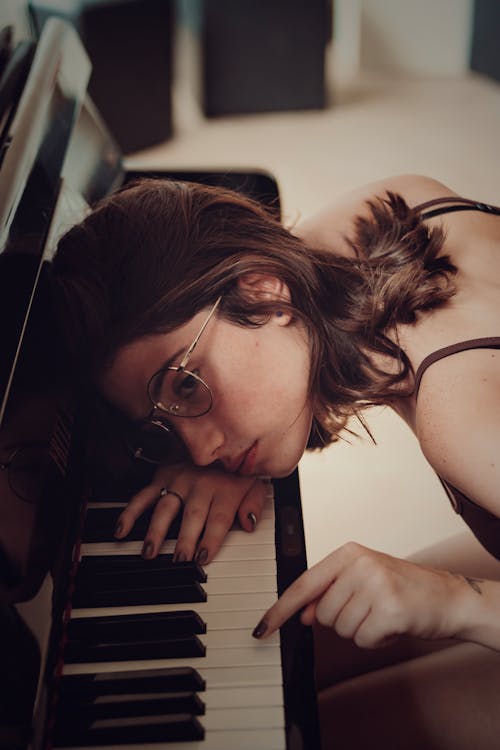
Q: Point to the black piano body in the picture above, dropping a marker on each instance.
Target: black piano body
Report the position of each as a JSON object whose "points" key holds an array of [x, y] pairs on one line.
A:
{"points": [[57, 159]]}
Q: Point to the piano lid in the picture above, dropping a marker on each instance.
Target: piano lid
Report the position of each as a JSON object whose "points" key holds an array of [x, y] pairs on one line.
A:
{"points": [[57, 157]]}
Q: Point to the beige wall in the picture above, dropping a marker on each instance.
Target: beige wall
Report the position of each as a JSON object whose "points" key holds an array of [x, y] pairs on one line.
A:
{"points": [[405, 37]]}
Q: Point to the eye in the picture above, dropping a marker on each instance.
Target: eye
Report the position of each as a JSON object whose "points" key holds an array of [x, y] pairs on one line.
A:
{"points": [[185, 385]]}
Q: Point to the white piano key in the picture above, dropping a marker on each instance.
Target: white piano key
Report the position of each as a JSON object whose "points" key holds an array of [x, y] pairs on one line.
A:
{"points": [[240, 568], [250, 739], [243, 585], [216, 603], [234, 638], [230, 553], [260, 675], [265, 535], [252, 655], [239, 620], [264, 717], [241, 697]]}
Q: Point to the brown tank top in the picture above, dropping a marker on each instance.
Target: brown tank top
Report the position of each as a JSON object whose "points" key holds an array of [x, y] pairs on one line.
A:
{"points": [[483, 524]]}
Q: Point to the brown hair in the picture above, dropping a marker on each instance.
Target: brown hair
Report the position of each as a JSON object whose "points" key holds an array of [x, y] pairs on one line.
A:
{"points": [[149, 257]]}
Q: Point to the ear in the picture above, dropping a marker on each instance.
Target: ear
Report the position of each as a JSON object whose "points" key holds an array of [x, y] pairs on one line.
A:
{"points": [[261, 287]]}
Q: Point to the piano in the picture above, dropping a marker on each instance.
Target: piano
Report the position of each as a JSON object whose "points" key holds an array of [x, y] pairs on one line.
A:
{"points": [[100, 648]]}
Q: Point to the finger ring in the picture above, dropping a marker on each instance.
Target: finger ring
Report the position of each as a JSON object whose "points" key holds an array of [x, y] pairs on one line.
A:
{"points": [[165, 491]]}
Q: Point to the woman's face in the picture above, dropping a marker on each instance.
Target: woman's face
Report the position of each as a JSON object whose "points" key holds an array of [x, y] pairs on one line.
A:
{"points": [[261, 415]]}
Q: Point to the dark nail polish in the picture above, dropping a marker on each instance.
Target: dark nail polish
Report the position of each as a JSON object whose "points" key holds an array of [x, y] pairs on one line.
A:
{"points": [[180, 557], [202, 556], [252, 518], [147, 550], [260, 629], [118, 529]]}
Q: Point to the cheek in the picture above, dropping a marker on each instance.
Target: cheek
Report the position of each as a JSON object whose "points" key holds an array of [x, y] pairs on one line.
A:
{"points": [[262, 381]]}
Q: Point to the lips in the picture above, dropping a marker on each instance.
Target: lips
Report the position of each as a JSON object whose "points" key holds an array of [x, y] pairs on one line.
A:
{"points": [[247, 465], [243, 463]]}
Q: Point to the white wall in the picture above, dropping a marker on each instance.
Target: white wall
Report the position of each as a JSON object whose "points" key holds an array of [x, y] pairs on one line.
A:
{"points": [[13, 13], [404, 37]]}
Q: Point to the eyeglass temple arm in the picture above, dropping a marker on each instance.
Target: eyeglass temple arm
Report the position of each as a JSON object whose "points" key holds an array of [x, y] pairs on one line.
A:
{"points": [[193, 345]]}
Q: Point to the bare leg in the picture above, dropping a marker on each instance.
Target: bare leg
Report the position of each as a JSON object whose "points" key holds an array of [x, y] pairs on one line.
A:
{"points": [[448, 700], [412, 690], [338, 659]]}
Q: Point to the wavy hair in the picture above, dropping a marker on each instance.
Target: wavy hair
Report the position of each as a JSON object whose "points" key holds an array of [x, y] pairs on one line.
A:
{"points": [[150, 256]]}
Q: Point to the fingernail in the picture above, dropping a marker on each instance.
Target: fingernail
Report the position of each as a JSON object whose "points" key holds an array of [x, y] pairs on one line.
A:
{"points": [[253, 519], [147, 550], [180, 557], [202, 556], [118, 529], [260, 629]]}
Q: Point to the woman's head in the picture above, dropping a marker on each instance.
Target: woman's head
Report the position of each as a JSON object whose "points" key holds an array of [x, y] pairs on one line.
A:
{"points": [[150, 260], [138, 275]]}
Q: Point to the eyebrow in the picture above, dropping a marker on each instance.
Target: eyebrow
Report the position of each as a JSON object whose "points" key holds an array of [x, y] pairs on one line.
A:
{"points": [[169, 362]]}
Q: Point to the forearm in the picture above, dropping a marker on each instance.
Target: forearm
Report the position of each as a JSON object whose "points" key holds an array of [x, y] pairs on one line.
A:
{"points": [[479, 612]]}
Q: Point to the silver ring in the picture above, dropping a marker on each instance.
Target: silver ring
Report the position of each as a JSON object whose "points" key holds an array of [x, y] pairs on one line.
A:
{"points": [[165, 491]]}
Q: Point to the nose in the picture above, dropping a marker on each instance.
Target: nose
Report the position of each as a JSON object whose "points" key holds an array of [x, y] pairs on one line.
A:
{"points": [[202, 438]]}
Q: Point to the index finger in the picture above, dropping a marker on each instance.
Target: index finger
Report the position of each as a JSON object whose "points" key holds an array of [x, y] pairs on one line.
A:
{"points": [[305, 589]]}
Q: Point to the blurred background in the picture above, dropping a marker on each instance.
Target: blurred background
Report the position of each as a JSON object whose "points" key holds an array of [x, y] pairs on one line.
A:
{"points": [[325, 95]]}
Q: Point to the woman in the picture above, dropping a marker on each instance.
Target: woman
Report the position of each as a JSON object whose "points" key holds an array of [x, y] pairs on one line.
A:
{"points": [[199, 317]]}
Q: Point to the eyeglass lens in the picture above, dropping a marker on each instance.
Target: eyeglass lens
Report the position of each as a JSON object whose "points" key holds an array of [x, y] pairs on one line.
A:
{"points": [[181, 393], [27, 471], [153, 443]]}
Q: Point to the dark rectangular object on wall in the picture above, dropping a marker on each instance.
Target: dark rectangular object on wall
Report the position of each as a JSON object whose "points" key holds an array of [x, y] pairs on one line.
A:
{"points": [[264, 55], [129, 43], [485, 52]]}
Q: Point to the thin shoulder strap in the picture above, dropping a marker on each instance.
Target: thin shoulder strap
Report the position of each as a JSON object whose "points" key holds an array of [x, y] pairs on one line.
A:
{"points": [[459, 204], [492, 342]]}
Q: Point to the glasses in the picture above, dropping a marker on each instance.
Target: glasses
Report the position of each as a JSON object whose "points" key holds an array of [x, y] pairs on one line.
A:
{"points": [[175, 391], [26, 469]]}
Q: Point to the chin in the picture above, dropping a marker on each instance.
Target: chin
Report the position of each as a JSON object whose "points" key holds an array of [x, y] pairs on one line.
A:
{"points": [[284, 473], [280, 468]]}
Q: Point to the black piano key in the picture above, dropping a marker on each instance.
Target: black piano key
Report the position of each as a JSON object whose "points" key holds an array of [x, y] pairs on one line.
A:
{"points": [[134, 564], [100, 525], [181, 594], [131, 579], [173, 648], [70, 711], [148, 626], [167, 680], [130, 730]]}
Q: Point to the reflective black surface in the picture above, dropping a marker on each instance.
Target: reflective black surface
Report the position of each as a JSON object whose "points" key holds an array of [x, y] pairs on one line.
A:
{"points": [[59, 160]]}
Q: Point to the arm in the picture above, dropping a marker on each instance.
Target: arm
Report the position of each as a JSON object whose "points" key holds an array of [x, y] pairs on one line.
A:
{"points": [[373, 598]]}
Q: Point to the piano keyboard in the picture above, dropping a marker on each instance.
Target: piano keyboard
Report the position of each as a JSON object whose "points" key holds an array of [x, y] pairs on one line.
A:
{"points": [[161, 655]]}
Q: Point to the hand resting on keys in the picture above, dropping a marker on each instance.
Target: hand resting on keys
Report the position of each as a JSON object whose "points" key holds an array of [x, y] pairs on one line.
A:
{"points": [[211, 500]]}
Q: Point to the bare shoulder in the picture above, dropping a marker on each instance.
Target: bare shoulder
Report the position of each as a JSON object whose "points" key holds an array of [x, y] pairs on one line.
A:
{"points": [[328, 226], [414, 188], [458, 423]]}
